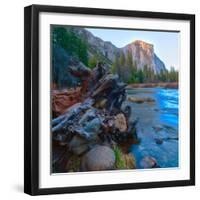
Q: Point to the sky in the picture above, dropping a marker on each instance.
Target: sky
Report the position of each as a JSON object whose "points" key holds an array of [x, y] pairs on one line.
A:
{"points": [[166, 44]]}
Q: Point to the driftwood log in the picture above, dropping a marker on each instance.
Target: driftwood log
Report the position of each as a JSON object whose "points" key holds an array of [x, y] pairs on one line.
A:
{"points": [[108, 87], [63, 121]]}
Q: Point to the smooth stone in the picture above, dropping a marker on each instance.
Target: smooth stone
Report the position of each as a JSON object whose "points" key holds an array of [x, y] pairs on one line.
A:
{"points": [[98, 158]]}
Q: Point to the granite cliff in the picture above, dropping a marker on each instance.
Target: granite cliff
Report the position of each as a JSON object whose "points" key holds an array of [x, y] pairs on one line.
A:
{"points": [[143, 54]]}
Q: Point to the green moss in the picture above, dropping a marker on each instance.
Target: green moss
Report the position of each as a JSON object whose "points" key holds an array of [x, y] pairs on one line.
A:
{"points": [[119, 161], [122, 160]]}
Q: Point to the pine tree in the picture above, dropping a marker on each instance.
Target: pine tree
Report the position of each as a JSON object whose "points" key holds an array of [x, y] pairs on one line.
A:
{"points": [[129, 59], [115, 68], [145, 71], [140, 75], [173, 75], [67, 39], [122, 58]]}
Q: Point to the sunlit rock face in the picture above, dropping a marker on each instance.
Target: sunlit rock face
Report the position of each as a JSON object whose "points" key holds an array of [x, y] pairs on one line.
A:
{"points": [[143, 54]]}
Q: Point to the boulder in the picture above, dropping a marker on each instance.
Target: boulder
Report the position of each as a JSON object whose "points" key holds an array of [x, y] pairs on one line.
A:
{"points": [[98, 158]]}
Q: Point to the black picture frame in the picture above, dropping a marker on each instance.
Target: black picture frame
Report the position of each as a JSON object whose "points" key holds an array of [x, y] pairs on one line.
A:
{"points": [[31, 98]]}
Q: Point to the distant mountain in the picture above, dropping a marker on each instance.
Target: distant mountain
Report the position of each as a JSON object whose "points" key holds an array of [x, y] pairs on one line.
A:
{"points": [[72, 45], [142, 52]]}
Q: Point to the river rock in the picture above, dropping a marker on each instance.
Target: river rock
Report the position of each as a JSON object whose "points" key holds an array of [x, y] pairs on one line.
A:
{"points": [[120, 122], [141, 99], [98, 158], [148, 162], [158, 140]]}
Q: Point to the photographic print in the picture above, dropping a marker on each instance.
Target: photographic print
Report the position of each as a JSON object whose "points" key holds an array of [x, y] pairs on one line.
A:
{"points": [[109, 99], [114, 99]]}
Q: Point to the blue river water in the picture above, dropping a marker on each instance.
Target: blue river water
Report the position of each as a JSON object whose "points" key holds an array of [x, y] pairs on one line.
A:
{"points": [[157, 126]]}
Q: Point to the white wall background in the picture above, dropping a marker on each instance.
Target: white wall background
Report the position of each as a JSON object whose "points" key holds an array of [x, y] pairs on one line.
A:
{"points": [[11, 99]]}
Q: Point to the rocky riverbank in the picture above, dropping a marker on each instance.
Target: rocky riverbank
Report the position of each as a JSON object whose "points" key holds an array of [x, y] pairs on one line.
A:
{"points": [[105, 125], [91, 131]]}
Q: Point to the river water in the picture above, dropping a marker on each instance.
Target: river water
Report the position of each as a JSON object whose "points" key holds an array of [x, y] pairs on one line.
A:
{"points": [[157, 127]]}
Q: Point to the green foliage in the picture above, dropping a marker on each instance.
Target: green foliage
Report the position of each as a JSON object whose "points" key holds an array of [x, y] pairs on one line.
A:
{"points": [[116, 68], [113, 68], [140, 76], [149, 74], [92, 62], [168, 76], [127, 70], [133, 78], [122, 59], [70, 42], [173, 75], [129, 60], [124, 67], [136, 76], [119, 161]]}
